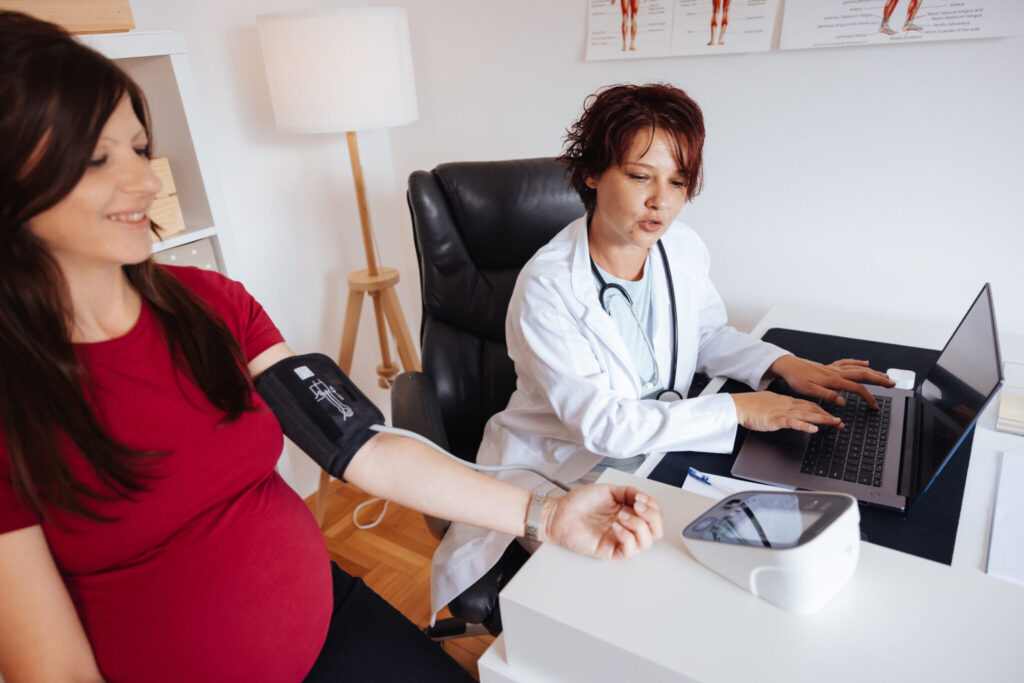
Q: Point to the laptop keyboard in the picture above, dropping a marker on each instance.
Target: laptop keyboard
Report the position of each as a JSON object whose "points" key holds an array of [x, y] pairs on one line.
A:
{"points": [[857, 453]]}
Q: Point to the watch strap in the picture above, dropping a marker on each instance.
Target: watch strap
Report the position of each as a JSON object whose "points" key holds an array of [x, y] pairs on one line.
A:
{"points": [[534, 514]]}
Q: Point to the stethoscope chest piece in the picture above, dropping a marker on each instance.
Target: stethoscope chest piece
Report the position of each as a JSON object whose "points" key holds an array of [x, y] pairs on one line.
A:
{"points": [[669, 395]]}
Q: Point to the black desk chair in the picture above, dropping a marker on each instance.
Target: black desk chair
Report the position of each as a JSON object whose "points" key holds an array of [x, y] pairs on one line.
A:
{"points": [[475, 224]]}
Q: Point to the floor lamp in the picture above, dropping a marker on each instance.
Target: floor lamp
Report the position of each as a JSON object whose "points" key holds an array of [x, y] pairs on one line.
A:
{"points": [[346, 70]]}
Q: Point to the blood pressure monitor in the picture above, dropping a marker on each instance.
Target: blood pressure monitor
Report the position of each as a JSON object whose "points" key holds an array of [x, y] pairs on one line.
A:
{"points": [[793, 548]]}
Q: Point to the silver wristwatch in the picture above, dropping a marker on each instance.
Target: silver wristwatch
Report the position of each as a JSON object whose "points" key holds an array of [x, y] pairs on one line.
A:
{"points": [[534, 513]]}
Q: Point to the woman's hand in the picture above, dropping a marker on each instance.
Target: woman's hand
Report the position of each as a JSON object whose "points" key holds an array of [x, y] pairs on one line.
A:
{"points": [[766, 411], [602, 521], [824, 381]]}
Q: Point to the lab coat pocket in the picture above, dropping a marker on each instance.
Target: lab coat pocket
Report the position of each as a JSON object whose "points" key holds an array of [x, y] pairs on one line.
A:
{"points": [[584, 362]]}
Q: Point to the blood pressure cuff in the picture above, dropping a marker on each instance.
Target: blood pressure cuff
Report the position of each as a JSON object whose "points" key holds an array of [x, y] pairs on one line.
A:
{"points": [[319, 408]]}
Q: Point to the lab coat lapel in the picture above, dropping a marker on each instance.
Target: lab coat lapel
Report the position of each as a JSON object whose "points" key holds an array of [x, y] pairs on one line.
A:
{"points": [[594, 316]]}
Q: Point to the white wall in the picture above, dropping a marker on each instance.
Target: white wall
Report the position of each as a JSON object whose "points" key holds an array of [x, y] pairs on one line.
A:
{"points": [[824, 168]]}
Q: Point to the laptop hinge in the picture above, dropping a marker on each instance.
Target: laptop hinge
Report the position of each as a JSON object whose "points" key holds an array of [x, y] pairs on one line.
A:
{"points": [[908, 463]]}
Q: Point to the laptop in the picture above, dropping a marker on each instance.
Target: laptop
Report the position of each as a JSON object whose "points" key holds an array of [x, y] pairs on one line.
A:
{"points": [[891, 456]]}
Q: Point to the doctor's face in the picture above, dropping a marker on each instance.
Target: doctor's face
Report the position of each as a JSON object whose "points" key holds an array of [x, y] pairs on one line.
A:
{"points": [[638, 199]]}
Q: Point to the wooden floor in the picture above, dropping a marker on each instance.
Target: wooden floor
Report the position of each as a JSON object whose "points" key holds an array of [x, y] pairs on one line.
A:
{"points": [[393, 559]]}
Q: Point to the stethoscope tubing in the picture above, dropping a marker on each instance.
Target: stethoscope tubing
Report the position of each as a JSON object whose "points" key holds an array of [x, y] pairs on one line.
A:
{"points": [[669, 393]]}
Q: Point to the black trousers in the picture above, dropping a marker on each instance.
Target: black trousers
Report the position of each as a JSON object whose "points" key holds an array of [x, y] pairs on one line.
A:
{"points": [[369, 640]]}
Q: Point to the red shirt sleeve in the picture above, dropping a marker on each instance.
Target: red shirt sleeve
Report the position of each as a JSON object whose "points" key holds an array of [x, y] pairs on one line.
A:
{"points": [[245, 317]]}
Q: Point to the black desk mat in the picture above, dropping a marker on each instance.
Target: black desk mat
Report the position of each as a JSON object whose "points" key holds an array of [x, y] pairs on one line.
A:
{"points": [[929, 528]]}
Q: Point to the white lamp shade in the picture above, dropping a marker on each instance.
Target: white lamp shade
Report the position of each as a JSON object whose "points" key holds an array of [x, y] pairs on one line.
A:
{"points": [[339, 70]]}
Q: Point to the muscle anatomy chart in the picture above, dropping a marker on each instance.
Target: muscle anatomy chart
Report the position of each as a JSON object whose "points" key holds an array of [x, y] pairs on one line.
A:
{"points": [[834, 23], [628, 29]]}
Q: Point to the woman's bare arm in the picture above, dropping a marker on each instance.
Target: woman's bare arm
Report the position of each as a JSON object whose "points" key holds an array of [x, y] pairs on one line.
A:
{"points": [[41, 637], [600, 521]]}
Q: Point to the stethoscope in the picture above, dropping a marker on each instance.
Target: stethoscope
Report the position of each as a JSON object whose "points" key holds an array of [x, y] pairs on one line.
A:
{"points": [[668, 394]]}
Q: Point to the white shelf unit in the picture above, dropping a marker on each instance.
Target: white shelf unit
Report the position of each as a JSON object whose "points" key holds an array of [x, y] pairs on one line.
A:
{"points": [[158, 62]]}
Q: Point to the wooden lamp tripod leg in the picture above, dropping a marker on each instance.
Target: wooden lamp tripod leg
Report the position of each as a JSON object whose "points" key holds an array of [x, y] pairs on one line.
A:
{"points": [[348, 334], [379, 283], [399, 329], [387, 370]]}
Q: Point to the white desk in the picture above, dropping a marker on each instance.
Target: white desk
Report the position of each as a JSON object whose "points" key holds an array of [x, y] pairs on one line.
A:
{"points": [[663, 617]]}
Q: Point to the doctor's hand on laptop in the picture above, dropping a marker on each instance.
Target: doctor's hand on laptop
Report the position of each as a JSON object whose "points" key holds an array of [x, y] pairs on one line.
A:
{"points": [[766, 411], [825, 381]]}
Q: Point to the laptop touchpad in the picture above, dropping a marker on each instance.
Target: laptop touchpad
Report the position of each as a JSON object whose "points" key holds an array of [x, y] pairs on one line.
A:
{"points": [[788, 436]]}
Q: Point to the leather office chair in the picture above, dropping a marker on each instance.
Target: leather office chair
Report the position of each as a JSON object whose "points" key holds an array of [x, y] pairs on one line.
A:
{"points": [[475, 225]]}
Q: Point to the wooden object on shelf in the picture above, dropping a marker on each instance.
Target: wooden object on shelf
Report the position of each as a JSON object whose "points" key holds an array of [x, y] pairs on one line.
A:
{"points": [[78, 16], [166, 211]]}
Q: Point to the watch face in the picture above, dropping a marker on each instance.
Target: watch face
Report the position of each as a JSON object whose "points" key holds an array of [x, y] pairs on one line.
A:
{"points": [[767, 519]]}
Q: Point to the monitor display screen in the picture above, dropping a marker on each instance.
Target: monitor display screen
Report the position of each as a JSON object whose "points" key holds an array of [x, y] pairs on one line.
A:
{"points": [[774, 520]]}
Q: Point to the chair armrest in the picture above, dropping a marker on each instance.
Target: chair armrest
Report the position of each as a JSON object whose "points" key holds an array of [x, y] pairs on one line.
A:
{"points": [[414, 406], [478, 604]]}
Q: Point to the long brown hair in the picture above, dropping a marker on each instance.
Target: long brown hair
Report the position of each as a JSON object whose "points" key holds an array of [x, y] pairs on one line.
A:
{"points": [[611, 118], [57, 95]]}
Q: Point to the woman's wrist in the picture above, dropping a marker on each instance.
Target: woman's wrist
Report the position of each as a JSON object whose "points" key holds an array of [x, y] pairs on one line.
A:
{"points": [[548, 518]]}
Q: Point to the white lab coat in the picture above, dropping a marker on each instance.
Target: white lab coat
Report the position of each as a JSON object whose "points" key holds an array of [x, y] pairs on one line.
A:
{"points": [[577, 396]]}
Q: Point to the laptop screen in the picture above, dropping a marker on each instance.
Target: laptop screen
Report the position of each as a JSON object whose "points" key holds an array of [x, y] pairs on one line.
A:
{"points": [[956, 389]]}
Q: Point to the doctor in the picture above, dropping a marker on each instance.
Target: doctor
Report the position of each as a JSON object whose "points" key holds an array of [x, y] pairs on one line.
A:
{"points": [[616, 312]]}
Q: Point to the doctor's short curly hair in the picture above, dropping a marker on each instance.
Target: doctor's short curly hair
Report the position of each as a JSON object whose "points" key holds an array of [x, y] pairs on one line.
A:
{"points": [[613, 117]]}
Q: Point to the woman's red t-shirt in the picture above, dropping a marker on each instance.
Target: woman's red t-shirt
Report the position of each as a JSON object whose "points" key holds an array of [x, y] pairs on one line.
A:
{"points": [[218, 572]]}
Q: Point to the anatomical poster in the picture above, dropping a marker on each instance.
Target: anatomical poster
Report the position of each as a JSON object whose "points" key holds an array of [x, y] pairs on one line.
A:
{"points": [[630, 29], [834, 23]]}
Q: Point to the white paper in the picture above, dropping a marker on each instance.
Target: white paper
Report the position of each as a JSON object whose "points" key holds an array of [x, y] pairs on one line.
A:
{"points": [[666, 28], [834, 23], [723, 486], [1011, 411], [1011, 399], [1006, 537]]}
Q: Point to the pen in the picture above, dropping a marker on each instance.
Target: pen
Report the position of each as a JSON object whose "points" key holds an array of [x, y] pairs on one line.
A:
{"points": [[704, 479]]}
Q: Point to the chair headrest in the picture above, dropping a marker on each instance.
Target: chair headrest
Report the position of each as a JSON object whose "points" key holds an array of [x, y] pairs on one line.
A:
{"points": [[506, 210], [476, 224]]}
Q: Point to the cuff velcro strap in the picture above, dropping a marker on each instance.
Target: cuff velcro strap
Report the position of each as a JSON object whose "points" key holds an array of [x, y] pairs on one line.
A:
{"points": [[319, 409]]}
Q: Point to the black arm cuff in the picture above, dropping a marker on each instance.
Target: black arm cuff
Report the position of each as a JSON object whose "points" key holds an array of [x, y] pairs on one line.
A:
{"points": [[319, 408]]}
